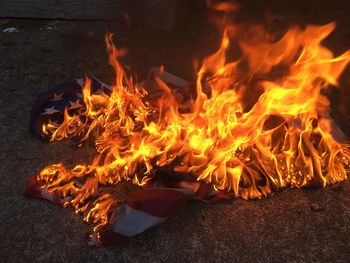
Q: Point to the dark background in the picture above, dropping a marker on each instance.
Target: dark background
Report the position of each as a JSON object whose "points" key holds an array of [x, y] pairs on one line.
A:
{"points": [[292, 225]]}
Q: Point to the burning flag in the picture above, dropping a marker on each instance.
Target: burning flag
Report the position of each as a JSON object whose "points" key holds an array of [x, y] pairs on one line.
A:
{"points": [[245, 129]]}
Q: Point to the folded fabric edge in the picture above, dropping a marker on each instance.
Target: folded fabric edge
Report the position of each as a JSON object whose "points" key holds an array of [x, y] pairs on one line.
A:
{"points": [[34, 189], [143, 209]]}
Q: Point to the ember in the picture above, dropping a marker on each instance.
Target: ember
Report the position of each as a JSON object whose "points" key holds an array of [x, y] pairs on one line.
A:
{"points": [[247, 127]]}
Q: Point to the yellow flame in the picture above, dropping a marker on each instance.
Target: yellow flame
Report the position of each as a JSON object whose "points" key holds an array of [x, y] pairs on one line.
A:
{"points": [[244, 146]]}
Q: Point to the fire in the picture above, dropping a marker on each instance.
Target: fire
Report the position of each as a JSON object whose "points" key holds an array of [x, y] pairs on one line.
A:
{"points": [[251, 126]]}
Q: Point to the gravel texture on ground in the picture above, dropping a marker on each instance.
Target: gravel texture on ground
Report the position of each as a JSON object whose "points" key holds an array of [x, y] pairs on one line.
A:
{"points": [[289, 226]]}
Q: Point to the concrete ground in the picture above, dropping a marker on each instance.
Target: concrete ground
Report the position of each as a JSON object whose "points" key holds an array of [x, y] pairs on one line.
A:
{"points": [[289, 226]]}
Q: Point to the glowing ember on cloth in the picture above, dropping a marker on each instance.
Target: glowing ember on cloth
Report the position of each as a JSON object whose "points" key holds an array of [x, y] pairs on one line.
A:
{"points": [[245, 129]]}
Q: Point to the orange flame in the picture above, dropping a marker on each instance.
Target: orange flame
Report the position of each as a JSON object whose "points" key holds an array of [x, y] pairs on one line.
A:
{"points": [[284, 138], [226, 6]]}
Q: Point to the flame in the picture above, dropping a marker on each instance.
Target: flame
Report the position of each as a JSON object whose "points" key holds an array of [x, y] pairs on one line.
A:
{"points": [[255, 125]]}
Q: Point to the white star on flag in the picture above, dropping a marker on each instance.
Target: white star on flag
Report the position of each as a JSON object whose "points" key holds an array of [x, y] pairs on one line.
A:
{"points": [[75, 105], [80, 82], [104, 85], [57, 97], [50, 111]]}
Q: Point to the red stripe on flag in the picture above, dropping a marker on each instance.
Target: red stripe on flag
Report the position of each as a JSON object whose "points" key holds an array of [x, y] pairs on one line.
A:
{"points": [[149, 206], [33, 187], [157, 202], [105, 237]]}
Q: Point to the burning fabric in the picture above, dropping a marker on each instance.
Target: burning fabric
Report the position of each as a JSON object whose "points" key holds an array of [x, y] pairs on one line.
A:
{"points": [[245, 129]]}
